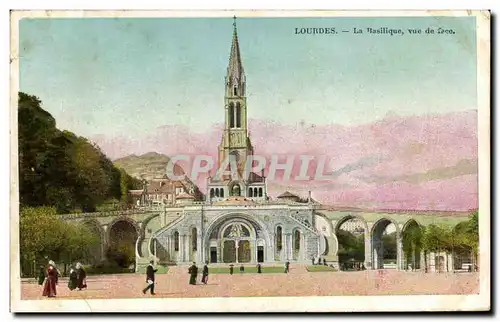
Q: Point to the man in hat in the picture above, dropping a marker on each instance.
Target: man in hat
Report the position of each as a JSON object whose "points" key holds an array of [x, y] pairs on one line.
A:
{"points": [[150, 278], [204, 278], [193, 272]]}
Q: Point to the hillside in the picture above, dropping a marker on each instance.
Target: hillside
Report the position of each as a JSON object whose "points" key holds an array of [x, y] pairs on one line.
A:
{"points": [[147, 166]]}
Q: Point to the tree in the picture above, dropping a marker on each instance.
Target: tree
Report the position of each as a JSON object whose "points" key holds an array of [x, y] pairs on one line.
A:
{"points": [[60, 169], [412, 244], [350, 247], [43, 236], [437, 238], [466, 236]]}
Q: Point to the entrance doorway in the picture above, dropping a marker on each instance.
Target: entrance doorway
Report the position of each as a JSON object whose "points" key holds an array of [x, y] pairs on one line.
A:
{"points": [[260, 254], [213, 254]]}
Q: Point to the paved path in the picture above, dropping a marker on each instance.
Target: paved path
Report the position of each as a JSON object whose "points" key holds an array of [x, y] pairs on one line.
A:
{"points": [[297, 283]]}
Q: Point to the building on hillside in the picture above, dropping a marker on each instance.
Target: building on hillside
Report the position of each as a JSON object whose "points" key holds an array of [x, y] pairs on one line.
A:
{"points": [[164, 191]]}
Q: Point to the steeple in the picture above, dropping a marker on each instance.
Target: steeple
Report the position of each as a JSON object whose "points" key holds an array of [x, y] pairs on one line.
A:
{"points": [[235, 76]]}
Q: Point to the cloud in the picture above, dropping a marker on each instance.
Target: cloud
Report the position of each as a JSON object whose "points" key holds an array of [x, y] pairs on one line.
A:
{"points": [[463, 167], [358, 165]]}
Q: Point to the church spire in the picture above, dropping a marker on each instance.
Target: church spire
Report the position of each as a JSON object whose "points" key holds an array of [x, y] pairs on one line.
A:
{"points": [[235, 73]]}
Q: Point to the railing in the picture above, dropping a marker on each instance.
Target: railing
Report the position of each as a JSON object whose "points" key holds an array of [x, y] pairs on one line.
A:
{"points": [[305, 224]]}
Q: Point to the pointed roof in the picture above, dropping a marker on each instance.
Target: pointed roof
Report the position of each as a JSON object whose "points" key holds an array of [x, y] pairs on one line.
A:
{"points": [[235, 67], [287, 194]]}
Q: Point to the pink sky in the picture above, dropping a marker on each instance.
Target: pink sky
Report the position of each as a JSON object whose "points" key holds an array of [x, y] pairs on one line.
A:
{"points": [[418, 162]]}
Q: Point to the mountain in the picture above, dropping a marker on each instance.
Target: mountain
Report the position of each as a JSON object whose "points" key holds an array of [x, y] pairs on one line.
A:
{"points": [[147, 166], [424, 162]]}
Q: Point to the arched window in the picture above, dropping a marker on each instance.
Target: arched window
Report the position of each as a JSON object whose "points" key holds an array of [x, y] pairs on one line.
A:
{"points": [[222, 192], [194, 239], [278, 237], [236, 190], [255, 192], [296, 236], [217, 192], [235, 90], [238, 115], [212, 193], [231, 115], [260, 192], [250, 192], [176, 241]]}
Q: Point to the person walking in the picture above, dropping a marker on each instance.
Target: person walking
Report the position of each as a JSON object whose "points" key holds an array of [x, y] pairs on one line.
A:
{"points": [[150, 278], [204, 278], [73, 278], [287, 266], [193, 272], [41, 275], [49, 289], [82, 277]]}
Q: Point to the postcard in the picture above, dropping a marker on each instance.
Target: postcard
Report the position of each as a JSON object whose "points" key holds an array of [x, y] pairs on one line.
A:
{"points": [[250, 161]]}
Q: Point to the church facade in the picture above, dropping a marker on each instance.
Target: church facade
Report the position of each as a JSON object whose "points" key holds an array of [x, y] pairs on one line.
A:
{"points": [[235, 222]]}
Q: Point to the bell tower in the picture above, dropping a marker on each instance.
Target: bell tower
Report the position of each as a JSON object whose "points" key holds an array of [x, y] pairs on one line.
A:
{"points": [[235, 140]]}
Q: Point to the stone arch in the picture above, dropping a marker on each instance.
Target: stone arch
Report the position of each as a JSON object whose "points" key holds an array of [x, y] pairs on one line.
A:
{"points": [[297, 243], [176, 237], [260, 192], [97, 248], [217, 224], [123, 234], [347, 218], [411, 251], [228, 216], [349, 258], [126, 219], [377, 244], [235, 189], [212, 193]]}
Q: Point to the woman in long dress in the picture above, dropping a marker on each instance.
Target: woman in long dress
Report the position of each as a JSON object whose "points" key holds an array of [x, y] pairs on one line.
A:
{"points": [[49, 288], [82, 277], [73, 279]]}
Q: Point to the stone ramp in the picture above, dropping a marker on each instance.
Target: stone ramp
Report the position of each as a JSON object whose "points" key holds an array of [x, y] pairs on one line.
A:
{"points": [[182, 270]]}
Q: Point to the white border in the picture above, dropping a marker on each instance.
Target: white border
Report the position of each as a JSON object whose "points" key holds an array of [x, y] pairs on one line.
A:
{"points": [[275, 304]]}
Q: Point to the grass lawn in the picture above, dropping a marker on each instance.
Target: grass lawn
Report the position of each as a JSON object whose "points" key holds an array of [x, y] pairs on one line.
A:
{"points": [[162, 269], [248, 269], [320, 268]]}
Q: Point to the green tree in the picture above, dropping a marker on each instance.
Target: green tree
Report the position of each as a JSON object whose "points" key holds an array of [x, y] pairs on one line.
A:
{"points": [[412, 244], [43, 236], [351, 247], [437, 238], [60, 169]]}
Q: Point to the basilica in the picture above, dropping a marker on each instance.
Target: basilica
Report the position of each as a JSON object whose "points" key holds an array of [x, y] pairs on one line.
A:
{"points": [[235, 221]]}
